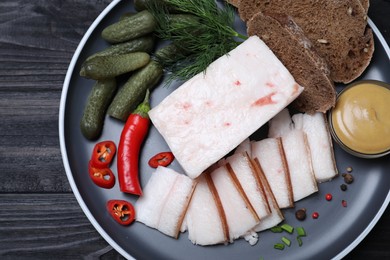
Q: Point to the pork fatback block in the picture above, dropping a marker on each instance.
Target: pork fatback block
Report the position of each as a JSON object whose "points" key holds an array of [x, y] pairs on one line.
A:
{"points": [[213, 112]]}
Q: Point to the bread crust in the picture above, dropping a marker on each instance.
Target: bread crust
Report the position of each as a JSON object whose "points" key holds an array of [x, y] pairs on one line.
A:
{"points": [[286, 39]]}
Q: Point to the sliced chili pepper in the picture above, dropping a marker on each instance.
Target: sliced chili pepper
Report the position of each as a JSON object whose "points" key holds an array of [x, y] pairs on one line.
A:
{"points": [[102, 177], [122, 211], [132, 137], [161, 159], [102, 154]]}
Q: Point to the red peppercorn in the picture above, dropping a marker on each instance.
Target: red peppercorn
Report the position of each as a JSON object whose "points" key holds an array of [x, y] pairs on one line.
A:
{"points": [[328, 197], [344, 203], [315, 215]]}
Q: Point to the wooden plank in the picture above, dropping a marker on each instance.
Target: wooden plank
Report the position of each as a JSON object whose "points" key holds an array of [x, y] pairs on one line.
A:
{"points": [[51, 25], [37, 42], [30, 152], [48, 226]]}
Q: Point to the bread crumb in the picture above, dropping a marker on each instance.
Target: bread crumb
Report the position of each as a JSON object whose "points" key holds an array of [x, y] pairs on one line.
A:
{"points": [[322, 41], [350, 10], [265, 37]]}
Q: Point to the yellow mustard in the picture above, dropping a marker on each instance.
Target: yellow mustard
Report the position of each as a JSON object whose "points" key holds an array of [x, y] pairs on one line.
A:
{"points": [[361, 118]]}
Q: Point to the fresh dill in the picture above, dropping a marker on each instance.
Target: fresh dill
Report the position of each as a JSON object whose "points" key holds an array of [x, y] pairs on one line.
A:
{"points": [[204, 32]]}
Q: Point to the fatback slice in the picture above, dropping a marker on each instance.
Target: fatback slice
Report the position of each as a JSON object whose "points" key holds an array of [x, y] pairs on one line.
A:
{"points": [[299, 163], [165, 201], [240, 166], [239, 213], [320, 142], [276, 215], [270, 155], [204, 222]]}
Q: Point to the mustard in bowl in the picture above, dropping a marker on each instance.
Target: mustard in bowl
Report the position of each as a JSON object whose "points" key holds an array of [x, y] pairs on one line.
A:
{"points": [[360, 121]]}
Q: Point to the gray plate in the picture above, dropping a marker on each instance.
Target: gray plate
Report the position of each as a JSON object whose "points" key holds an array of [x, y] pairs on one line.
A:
{"points": [[335, 233]]}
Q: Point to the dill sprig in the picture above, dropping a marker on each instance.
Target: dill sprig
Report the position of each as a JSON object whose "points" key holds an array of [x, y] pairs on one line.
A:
{"points": [[208, 35]]}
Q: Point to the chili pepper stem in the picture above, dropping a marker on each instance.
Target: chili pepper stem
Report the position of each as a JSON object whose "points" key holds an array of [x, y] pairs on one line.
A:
{"points": [[143, 108]]}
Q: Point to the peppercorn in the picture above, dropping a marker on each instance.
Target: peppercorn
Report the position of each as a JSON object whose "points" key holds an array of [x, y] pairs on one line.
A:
{"points": [[343, 187], [344, 203], [348, 178], [315, 215], [300, 214], [328, 197]]}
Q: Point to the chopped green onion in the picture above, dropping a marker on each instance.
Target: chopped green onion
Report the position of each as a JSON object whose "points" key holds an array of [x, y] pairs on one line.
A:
{"points": [[301, 231], [286, 241], [299, 241], [288, 228], [276, 229], [279, 246]]}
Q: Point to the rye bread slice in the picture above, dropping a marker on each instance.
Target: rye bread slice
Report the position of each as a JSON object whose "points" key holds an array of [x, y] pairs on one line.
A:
{"points": [[337, 29], [365, 4], [285, 38], [233, 2]]}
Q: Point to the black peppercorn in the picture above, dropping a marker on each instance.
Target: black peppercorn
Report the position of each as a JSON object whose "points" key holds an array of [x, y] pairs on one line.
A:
{"points": [[348, 178], [300, 214], [343, 187]]}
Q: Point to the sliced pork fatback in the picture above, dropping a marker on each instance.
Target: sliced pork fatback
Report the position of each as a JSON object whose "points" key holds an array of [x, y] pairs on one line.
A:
{"points": [[165, 201], [245, 148], [203, 219], [299, 163], [276, 215], [320, 142], [240, 167], [240, 215], [176, 206], [149, 206], [213, 112], [280, 124], [271, 157]]}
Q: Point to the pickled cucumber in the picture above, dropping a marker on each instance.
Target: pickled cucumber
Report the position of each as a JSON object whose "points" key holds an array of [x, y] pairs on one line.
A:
{"points": [[133, 27], [99, 99], [141, 44], [103, 67], [133, 91]]}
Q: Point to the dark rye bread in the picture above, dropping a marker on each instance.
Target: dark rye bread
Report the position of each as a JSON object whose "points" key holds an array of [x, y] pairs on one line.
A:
{"points": [[337, 29], [365, 4], [233, 2], [286, 39]]}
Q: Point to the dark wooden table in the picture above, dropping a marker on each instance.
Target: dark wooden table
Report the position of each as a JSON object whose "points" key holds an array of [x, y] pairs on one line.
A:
{"points": [[39, 215]]}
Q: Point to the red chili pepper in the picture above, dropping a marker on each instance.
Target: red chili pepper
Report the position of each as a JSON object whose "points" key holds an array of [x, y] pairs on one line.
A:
{"points": [[132, 137], [102, 154], [102, 177], [161, 159], [122, 211]]}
